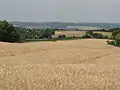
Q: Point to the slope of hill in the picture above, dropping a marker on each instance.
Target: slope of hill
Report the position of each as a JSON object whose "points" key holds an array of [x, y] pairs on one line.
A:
{"points": [[64, 65]]}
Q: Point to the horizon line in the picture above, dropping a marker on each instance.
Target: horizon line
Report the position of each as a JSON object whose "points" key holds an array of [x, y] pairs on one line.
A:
{"points": [[60, 21]]}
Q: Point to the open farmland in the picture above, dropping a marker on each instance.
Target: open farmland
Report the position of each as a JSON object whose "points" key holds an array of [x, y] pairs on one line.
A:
{"points": [[77, 33], [70, 33], [63, 65], [109, 34]]}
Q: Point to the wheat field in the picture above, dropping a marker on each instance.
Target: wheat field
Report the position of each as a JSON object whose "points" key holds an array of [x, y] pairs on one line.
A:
{"points": [[78, 33], [69, 33], [88, 64]]}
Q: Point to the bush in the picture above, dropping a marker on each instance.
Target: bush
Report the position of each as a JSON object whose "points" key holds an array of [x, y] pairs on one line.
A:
{"points": [[98, 36], [106, 37], [115, 32], [117, 39], [61, 36], [88, 34], [111, 43]]}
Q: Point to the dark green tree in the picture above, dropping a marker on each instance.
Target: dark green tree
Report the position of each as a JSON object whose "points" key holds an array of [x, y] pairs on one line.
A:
{"points": [[98, 36], [88, 34], [8, 33], [117, 39], [115, 32]]}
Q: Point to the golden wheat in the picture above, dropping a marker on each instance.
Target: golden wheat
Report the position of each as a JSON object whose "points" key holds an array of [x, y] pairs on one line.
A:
{"points": [[64, 65]]}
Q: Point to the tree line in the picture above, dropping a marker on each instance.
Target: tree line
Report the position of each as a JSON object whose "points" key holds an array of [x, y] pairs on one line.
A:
{"points": [[9, 33], [91, 34], [114, 39]]}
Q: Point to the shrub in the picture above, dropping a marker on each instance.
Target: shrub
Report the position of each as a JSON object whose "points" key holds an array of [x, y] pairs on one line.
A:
{"points": [[117, 39], [111, 43], [115, 32], [98, 36], [88, 34], [106, 37], [61, 36]]}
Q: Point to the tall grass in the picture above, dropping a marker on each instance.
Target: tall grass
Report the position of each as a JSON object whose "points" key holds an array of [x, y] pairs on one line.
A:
{"points": [[59, 77]]}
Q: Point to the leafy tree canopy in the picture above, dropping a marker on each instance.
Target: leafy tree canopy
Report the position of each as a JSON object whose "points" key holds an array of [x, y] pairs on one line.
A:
{"points": [[8, 33]]}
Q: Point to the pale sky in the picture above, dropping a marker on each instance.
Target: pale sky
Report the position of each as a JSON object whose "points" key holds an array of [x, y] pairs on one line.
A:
{"points": [[60, 10]]}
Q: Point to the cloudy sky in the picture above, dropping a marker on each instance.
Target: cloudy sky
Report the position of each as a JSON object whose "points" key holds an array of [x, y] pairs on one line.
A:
{"points": [[60, 10]]}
